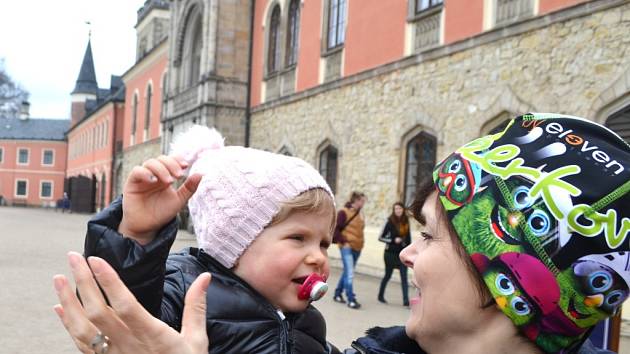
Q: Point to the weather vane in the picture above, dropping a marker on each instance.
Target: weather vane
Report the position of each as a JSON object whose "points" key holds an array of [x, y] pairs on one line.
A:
{"points": [[89, 28]]}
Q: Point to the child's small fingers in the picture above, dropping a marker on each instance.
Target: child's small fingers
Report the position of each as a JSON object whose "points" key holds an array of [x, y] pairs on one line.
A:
{"points": [[189, 187], [181, 160], [172, 165], [159, 170], [140, 174]]}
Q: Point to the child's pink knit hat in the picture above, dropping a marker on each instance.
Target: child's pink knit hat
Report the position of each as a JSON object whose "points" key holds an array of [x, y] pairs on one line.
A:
{"points": [[241, 190]]}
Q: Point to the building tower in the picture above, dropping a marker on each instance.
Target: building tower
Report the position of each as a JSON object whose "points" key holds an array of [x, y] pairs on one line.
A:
{"points": [[85, 87], [208, 68]]}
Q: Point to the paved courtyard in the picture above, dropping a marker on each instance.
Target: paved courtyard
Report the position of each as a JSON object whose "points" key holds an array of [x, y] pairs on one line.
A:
{"points": [[34, 243]]}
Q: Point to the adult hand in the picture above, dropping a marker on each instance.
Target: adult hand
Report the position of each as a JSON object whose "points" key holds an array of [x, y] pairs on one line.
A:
{"points": [[149, 198], [127, 325]]}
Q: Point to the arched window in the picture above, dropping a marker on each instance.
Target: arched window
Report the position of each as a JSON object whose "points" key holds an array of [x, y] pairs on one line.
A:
{"points": [[273, 55], [134, 117], [328, 166], [163, 85], [191, 51], [419, 163], [422, 5], [336, 23], [147, 113], [285, 151], [496, 124], [619, 122], [103, 190], [293, 33], [195, 58]]}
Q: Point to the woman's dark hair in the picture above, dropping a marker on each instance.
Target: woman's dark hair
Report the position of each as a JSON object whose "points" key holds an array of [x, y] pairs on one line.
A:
{"points": [[403, 219], [424, 192]]}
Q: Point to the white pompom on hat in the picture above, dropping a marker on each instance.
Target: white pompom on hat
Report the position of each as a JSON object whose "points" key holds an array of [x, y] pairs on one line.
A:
{"points": [[242, 189]]}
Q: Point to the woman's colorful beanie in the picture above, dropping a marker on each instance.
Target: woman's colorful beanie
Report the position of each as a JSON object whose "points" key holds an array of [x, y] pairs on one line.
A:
{"points": [[543, 209]]}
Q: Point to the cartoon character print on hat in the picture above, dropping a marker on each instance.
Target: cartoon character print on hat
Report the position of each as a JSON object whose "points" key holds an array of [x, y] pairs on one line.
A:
{"points": [[520, 284], [458, 181], [491, 224], [528, 191]]}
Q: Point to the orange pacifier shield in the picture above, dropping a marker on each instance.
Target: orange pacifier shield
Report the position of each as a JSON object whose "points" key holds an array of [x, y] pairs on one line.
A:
{"points": [[313, 288]]}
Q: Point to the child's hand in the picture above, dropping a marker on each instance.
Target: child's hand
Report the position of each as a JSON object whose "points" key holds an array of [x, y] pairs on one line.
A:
{"points": [[149, 199]]}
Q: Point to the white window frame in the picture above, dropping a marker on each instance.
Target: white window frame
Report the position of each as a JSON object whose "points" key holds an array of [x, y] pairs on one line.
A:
{"points": [[15, 192], [28, 156], [41, 188], [53, 157]]}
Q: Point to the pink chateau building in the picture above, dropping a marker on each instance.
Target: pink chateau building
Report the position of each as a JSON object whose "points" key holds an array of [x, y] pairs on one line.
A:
{"points": [[115, 128], [32, 160]]}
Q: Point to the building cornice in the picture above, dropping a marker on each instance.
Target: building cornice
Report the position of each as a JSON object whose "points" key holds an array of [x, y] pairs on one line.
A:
{"points": [[87, 119], [487, 37], [148, 60]]}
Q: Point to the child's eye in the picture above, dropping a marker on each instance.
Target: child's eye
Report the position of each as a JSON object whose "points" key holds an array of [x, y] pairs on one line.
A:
{"points": [[297, 237], [426, 236], [324, 244]]}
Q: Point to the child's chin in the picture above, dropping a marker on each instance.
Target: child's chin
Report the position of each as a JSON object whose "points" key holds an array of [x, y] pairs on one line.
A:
{"points": [[295, 306]]}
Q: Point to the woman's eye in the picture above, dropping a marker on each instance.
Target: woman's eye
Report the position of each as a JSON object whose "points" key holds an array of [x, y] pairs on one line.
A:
{"points": [[504, 284], [426, 236]]}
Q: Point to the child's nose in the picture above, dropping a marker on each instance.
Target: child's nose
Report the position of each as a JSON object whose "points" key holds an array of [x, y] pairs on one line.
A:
{"points": [[316, 257]]}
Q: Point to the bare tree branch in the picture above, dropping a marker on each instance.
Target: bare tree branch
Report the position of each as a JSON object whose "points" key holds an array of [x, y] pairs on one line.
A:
{"points": [[11, 94]]}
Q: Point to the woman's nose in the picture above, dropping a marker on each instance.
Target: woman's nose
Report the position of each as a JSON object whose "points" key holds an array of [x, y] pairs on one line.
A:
{"points": [[408, 254]]}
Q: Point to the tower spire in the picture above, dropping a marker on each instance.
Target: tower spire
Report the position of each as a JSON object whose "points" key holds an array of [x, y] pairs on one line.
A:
{"points": [[86, 81]]}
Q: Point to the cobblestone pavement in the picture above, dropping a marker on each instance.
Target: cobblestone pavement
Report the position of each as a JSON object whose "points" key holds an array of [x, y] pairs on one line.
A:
{"points": [[34, 243]]}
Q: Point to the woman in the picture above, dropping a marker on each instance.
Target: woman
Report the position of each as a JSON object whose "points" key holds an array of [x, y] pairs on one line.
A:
{"points": [[520, 251], [349, 237], [396, 236]]}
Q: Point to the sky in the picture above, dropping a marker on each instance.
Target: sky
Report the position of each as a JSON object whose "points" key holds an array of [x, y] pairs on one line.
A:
{"points": [[42, 43]]}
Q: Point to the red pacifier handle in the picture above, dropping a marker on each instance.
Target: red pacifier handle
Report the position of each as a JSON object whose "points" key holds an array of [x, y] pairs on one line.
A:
{"points": [[313, 288]]}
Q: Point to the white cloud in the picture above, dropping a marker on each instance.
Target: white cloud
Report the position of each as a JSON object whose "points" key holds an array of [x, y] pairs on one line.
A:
{"points": [[43, 43]]}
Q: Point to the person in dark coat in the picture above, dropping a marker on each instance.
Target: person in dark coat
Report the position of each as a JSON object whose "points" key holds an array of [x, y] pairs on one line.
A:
{"points": [[396, 236]]}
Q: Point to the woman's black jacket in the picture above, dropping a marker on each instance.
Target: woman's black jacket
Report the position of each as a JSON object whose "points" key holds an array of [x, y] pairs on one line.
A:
{"points": [[389, 234], [239, 319]]}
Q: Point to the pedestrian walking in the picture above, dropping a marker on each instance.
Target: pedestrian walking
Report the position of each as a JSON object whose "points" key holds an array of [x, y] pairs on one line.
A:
{"points": [[396, 236], [349, 238]]}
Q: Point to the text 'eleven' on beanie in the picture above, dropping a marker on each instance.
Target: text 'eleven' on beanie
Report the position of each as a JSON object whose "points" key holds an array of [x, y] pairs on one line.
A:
{"points": [[543, 210], [241, 190]]}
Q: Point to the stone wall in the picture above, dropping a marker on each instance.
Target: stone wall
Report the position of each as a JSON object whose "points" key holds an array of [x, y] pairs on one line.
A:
{"points": [[136, 155], [565, 63]]}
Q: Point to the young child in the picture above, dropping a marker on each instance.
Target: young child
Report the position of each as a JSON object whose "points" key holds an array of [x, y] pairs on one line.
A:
{"points": [[263, 224]]}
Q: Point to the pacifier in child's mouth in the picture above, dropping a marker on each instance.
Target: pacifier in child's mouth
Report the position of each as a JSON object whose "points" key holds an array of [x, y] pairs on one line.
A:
{"points": [[313, 288]]}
